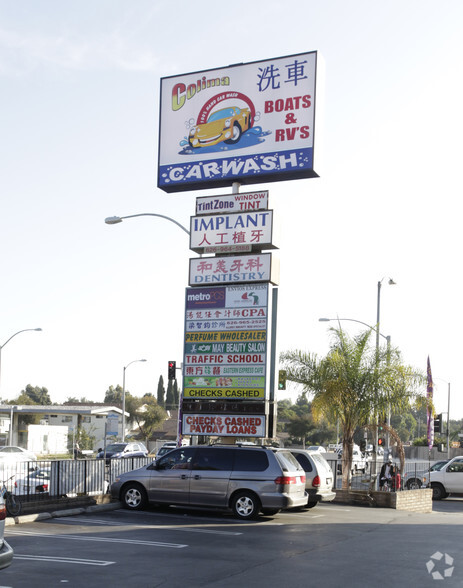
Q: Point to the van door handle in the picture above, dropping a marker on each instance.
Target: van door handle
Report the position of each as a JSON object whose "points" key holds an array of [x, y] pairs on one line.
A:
{"points": [[184, 477], [197, 477]]}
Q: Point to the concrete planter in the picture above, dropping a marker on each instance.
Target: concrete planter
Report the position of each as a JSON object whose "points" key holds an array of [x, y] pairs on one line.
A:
{"points": [[412, 500]]}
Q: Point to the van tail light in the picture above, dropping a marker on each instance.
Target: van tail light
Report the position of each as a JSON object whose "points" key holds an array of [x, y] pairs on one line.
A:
{"points": [[286, 480], [316, 482], [2, 513]]}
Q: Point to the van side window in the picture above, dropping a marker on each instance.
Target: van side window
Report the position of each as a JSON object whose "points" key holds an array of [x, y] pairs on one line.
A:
{"points": [[248, 460], [304, 461], [213, 459], [179, 459]]}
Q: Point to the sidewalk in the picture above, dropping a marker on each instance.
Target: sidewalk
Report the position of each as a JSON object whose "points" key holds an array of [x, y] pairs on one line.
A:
{"points": [[60, 508]]}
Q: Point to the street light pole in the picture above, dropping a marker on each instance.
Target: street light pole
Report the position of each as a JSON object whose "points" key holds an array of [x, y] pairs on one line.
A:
{"points": [[123, 396], [2, 346], [114, 220], [12, 407]]}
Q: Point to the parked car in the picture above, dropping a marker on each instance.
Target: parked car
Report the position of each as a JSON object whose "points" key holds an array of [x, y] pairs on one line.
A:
{"points": [[246, 480], [318, 448], [122, 450], [359, 462], [448, 479], [318, 476], [413, 479], [10, 453], [36, 482], [226, 124], [165, 448], [6, 552]]}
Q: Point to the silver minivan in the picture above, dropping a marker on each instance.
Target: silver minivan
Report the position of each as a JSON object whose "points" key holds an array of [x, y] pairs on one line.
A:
{"points": [[247, 480]]}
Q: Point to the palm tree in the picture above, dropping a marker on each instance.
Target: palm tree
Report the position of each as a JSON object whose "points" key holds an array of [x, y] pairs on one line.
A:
{"points": [[353, 383]]}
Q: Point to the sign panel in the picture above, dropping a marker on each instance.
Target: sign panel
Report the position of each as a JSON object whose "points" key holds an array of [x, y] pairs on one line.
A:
{"points": [[233, 269], [225, 230], [224, 425], [225, 349], [249, 123], [232, 202]]}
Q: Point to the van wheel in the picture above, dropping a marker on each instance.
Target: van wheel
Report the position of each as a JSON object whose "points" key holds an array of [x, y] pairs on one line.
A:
{"points": [[438, 491], [133, 496], [245, 505]]}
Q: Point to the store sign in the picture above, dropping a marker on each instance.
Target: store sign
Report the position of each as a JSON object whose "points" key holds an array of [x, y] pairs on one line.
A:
{"points": [[239, 202], [249, 123], [233, 269], [226, 230], [225, 352], [224, 425]]}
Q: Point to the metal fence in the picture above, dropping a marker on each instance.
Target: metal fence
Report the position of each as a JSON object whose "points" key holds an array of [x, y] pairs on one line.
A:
{"points": [[42, 479], [415, 475]]}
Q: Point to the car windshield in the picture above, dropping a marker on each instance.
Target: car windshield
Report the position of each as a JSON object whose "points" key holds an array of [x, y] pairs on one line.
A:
{"points": [[224, 113], [438, 465], [116, 447]]}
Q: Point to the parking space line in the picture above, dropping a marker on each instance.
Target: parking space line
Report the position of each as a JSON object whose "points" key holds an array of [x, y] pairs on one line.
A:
{"points": [[100, 539], [56, 559], [158, 527]]}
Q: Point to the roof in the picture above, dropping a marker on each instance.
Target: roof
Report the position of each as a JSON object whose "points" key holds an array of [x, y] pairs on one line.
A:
{"points": [[102, 409]]}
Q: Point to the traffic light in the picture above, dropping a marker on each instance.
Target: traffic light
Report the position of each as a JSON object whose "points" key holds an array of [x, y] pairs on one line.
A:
{"points": [[381, 442], [438, 423], [171, 370], [282, 380]]}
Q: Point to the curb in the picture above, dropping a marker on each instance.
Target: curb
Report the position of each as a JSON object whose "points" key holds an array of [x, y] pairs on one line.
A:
{"points": [[67, 512]]}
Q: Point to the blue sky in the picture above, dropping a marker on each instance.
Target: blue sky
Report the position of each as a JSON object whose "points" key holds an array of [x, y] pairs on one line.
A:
{"points": [[79, 87]]}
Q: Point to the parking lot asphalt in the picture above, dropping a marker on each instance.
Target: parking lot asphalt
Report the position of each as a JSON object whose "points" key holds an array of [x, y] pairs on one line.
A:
{"points": [[330, 545]]}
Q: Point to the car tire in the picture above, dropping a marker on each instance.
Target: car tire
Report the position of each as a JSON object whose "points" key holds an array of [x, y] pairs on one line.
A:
{"points": [[245, 505], [133, 496], [413, 484], [311, 504], [236, 134], [438, 491]]}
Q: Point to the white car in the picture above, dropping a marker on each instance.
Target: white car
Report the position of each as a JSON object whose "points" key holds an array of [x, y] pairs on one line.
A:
{"points": [[318, 476], [11, 453], [36, 482], [447, 480], [6, 552], [318, 448]]}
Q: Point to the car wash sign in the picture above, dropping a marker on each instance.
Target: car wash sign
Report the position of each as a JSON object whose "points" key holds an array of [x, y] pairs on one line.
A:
{"points": [[248, 123]]}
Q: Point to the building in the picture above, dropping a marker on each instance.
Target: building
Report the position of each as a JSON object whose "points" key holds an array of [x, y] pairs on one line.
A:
{"points": [[94, 419]]}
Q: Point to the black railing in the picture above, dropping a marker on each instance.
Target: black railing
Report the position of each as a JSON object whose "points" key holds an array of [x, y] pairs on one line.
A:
{"points": [[42, 479]]}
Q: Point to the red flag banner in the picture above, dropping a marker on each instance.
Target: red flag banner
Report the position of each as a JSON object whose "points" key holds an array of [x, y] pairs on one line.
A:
{"points": [[430, 420]]}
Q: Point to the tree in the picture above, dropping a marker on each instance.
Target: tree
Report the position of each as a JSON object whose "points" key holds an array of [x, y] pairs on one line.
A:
{"points": [[113, 396], [161, 392], [170, 399], [37, 395], [149, 416], [354, 384]]}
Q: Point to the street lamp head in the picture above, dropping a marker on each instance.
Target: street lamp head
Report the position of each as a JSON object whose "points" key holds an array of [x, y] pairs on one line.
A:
{"points": [[38, 329], [112, 220], [324, 320], [391, 282]]}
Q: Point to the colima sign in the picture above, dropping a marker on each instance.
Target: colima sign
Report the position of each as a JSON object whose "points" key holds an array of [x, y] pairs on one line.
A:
{"points": [[248, 123]]}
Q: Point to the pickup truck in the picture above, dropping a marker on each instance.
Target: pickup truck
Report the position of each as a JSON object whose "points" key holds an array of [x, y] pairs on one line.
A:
{"points": [[447, 480], [359, 462]]}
